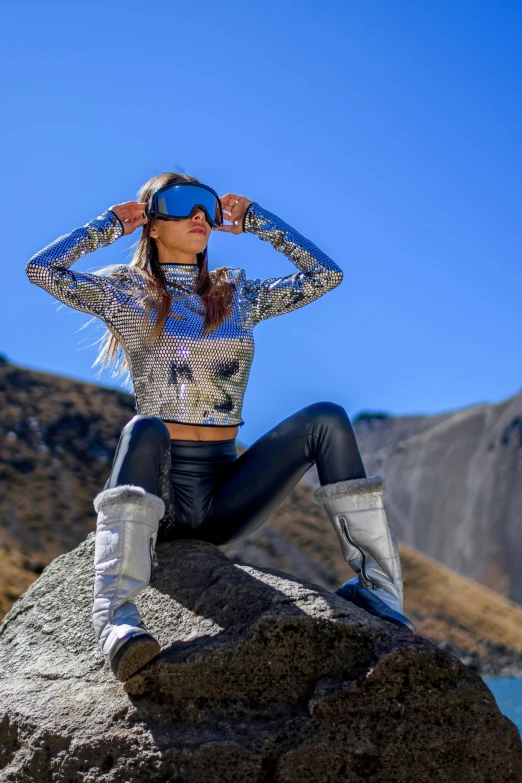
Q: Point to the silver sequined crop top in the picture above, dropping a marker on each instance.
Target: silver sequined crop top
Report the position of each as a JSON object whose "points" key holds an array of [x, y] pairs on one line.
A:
{"points": [[184, 377]]}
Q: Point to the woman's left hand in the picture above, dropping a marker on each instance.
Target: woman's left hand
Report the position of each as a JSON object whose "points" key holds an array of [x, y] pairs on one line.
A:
{"points": [[234, 208]]}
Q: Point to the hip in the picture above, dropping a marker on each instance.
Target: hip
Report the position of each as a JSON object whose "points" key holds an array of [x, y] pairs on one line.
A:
{"points": [[201, 457]]}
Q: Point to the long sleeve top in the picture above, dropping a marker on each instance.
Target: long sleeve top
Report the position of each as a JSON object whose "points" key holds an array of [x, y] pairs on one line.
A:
{"points": [[184, 376]]}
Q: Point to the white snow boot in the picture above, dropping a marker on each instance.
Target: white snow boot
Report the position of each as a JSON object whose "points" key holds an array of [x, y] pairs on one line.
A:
{"points": [[126, 533], [355, 509]]}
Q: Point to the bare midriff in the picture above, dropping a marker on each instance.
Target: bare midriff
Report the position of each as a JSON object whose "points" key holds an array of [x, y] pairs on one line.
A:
{"points": [[193, 432]]}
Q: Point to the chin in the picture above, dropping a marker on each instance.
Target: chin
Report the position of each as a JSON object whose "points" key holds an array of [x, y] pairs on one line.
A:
{"points": [[195, 247]]}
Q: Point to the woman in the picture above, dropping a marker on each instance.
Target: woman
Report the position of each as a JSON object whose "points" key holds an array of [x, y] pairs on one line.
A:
{"points": [[183, 334]]}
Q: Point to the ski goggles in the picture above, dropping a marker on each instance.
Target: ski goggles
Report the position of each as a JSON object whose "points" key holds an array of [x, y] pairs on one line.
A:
{"points": [[178, 201]]}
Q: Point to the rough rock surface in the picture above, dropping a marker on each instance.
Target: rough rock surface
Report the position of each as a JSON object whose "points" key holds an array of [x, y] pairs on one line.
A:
{"points": [[262, 678]]}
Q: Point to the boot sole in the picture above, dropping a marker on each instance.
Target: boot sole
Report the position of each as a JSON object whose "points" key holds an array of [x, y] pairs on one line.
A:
{"points": [[373, 605], [134, 655]]}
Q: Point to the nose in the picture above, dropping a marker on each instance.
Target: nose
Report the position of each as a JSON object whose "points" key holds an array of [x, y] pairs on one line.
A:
{"points": [[199, 214]]}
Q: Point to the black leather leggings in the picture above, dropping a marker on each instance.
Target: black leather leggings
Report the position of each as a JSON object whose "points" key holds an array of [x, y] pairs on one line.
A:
{"points": [[215, 495]]}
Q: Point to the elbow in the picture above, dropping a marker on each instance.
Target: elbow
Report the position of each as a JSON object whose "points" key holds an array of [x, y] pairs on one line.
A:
{"points": [[336, 278], [37, 274], [31, 270]]}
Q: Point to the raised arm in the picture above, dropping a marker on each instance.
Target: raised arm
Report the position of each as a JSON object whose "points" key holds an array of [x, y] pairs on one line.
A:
{"points": [[276, 295], [90, 293]]}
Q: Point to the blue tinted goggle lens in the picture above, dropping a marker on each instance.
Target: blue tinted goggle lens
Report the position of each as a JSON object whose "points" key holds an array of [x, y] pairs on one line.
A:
{"points": [[180, 201]]}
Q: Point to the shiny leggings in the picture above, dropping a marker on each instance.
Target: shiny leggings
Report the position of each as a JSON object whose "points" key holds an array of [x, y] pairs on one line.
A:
{"points": [[213, 494]]}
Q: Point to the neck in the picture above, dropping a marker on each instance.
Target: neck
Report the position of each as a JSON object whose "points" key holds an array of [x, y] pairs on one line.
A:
{"points": [[186, 275], [167, 255]]}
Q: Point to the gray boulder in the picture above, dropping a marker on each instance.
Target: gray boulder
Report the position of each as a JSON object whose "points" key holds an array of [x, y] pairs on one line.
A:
{"points": [[263, 678]]}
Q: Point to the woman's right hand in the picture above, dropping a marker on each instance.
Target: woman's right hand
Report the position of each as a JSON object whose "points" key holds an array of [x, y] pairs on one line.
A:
{"points": [[131, 215]]}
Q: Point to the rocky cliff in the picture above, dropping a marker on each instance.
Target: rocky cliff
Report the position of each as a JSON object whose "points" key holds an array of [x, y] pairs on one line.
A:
{"points": [[262, 678], [454, 486]]}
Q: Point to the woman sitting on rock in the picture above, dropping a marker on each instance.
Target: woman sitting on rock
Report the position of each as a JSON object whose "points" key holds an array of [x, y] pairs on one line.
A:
{"points": [[184, 335]]}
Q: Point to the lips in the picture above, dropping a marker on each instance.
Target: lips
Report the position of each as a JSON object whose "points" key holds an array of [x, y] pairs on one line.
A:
{"points": [[197, 231]]}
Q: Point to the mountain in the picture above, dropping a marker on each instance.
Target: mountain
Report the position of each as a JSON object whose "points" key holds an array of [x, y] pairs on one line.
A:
{"points": [[58, 440]]}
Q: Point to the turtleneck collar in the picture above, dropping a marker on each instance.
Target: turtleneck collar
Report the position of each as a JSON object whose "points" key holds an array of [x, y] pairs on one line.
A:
{"points": [[185, 274]]}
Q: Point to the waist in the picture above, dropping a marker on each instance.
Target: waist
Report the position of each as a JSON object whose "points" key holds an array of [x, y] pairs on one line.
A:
{"points": [[198, 432], [191, 455]]}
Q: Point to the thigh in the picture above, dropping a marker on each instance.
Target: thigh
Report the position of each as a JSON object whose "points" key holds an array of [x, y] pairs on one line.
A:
{"points": [[252, 487], [142, 456]]}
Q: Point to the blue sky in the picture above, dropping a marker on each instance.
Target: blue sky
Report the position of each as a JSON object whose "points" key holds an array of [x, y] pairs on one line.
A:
{"points": [[387, 133]]}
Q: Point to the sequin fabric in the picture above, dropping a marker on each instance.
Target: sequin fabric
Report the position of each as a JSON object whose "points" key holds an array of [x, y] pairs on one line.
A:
{"points": [[185, 377]]}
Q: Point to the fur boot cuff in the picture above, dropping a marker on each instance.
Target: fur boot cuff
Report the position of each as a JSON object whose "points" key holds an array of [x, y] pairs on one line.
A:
{"points": [[128, 493], [348, 488]]}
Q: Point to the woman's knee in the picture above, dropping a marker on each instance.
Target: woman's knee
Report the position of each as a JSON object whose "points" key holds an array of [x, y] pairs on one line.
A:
{"points": [[328, 413], [148, 431]]}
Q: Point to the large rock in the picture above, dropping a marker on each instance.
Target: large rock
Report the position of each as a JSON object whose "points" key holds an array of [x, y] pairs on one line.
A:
{"points": [[262, 678]]}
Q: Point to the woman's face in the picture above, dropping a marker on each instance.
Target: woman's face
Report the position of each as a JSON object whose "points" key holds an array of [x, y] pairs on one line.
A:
{"points": [[189, 235]]}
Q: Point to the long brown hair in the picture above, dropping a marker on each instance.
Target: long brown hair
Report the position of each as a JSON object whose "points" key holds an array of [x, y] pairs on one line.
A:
{"points": [[216, 292]]}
